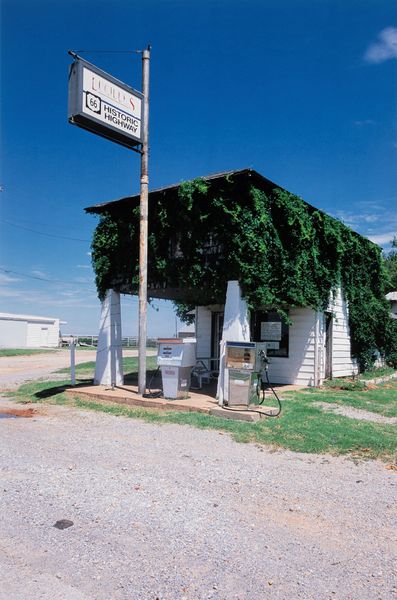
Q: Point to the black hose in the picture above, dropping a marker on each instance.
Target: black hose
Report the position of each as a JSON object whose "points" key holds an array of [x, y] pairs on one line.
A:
{"points": [[261, 413], [278, 399]]}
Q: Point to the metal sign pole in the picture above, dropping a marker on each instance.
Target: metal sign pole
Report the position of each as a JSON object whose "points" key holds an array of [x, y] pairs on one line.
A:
{"points": [[143, 228], [72, 347]]}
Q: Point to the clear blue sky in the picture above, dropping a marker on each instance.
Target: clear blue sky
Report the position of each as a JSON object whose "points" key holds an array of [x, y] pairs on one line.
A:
{"points": [[304, 91]]}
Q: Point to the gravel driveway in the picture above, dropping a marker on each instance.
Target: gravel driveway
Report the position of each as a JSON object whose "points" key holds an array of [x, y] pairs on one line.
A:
{"points": [[15, 370], [174, 513]]}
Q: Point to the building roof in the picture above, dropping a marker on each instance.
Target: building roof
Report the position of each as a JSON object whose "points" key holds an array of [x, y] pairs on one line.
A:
{"points": [[170, 277], [392, 296], [239, 175], [14, 317], [171, 189]]}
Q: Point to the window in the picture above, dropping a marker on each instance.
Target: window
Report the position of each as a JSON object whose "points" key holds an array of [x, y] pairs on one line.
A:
{"points": [[267, 326]]}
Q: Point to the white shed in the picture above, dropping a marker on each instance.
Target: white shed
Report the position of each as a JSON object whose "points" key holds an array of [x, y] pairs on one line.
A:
{"points": [[28, 331]]}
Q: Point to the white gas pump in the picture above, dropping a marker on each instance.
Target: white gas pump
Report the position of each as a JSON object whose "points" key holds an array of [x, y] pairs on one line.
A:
{"points": [[176, 357]]}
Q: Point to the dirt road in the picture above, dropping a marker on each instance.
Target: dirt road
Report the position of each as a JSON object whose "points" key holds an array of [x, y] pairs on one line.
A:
{"points": [[174, 513], [15, 370]]}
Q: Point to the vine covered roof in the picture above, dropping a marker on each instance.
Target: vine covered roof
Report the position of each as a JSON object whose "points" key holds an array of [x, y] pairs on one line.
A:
{"points": [[239, 225]]}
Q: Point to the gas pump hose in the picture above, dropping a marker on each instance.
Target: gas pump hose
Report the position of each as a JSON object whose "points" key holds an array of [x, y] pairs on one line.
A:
{"points": [[278, 399], [262, 414]]}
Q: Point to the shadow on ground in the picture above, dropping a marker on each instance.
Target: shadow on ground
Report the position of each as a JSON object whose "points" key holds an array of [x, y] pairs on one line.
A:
{"points": [[59, 389]]}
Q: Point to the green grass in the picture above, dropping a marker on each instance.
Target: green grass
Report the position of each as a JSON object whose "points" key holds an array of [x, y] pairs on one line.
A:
{"points": [[302, 426], [24, 351], [380, 399], [378, 372], [130, 366]]}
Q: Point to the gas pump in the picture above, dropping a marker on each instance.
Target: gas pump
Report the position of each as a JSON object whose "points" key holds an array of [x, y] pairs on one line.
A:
{"points": [[247, 366], [240, 358], [175, 358]]}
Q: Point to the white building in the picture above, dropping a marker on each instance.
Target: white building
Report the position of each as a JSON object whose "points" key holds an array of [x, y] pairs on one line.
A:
{"points": [[314, 347], [28, 331], [392, 298], [305, 348]]}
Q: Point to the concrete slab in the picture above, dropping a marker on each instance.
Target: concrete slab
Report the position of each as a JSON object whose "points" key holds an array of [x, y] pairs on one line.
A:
{"points": [[129, 396], [235, 415], [202, 401]]}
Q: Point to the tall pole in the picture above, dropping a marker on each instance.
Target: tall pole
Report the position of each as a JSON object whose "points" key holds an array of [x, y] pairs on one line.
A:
{"points": [[143, 227]]}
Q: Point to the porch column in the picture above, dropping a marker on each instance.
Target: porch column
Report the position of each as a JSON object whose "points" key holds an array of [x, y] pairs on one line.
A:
{"points": [[109, 360], [236, 328]]}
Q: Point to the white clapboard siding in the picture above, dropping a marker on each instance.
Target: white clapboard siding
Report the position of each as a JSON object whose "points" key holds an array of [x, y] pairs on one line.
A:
{"points": [[203, 332], [302, 366], [42, 333], [33, 337], [12, 333], [298, 368], [342, 364]]}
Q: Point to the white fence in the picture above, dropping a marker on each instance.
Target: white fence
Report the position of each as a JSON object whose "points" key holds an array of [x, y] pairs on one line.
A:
{"points": [[92, 340]]}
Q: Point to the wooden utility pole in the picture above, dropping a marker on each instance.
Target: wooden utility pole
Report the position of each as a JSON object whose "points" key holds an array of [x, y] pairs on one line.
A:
{"points": [[143, 227]]}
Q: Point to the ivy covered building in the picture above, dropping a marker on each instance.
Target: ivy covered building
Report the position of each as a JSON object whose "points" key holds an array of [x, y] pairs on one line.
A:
{"points": [[313, 288]]}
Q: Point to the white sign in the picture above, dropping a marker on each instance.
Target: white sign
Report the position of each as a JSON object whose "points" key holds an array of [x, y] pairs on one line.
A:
{"points": [[104, 105], [111, 104], [271, 330]]}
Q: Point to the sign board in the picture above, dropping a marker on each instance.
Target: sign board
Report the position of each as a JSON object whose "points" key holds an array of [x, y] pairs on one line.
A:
{"points": [[271, 330], [104, 105]]}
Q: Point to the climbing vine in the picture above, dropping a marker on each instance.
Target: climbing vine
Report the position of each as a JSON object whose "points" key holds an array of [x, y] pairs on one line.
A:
{"points": [[281, 250]]}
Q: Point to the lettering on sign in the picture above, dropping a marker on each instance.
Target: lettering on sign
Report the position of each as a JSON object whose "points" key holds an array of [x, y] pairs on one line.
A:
{"points": [[104, 105], [111, 104], [271, 330]]}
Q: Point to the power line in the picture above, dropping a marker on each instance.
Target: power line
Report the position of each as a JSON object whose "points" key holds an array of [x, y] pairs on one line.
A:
{"points": [[9, 271], [110, 51], [46, 280], [18, 220], [53, 235]]}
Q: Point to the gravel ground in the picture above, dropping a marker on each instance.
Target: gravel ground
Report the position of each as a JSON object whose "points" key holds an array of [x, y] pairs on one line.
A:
{"points": [[174, 513], [356, 413], [15, 370]]}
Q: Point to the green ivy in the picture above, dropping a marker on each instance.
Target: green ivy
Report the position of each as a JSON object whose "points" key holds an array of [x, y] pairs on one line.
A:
{"points": [[281, 250]]}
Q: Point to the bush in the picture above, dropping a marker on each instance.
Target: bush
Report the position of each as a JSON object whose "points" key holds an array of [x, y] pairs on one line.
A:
{"points": [[350, 385], [391, 344]]}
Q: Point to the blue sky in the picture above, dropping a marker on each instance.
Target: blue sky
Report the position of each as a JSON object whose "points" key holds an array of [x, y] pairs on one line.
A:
{"points": [[303, 91]]}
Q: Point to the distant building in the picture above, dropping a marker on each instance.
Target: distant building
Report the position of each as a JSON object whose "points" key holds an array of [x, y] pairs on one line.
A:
{"points": [[392, 298], [187, 331], [28, 331]]}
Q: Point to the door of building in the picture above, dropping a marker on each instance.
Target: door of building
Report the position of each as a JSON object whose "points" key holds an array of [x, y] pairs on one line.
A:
{"points": [[216, 337], [44, 337]]}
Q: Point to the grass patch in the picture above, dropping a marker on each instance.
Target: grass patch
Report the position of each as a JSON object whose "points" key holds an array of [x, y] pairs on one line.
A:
{"points": [[130, 366], [380, 399], [378, 372], [25, 351], [352, 385], [45, 391], [302, 426]]}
